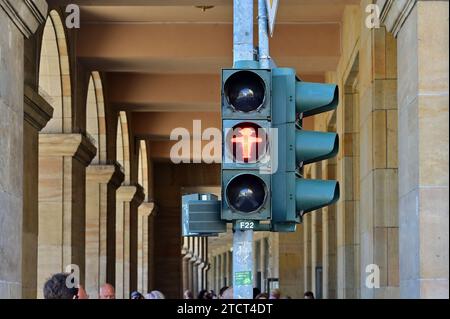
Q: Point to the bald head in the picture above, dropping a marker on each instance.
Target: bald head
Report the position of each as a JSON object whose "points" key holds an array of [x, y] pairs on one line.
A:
{"points": [[107, 292]]}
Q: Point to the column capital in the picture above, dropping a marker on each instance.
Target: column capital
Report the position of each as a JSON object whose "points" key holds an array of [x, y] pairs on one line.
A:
{"points": [[27, 15], [76, 145], [394, 13], [146, 209], [37, 111], [105, 174], [130, 193]]}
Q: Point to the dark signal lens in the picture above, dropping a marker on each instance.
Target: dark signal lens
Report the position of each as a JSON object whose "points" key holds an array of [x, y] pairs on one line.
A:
{"points": [[246, 193], [245, 91]]}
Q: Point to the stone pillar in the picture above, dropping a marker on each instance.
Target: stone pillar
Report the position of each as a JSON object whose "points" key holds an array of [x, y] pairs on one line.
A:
{"points": [[144, 212], [128, 198], [37, 112], [63, 159], [291, 263], [421, 28], [195, 262], [100, 180], [316, 241], [375, 218], [18, 19], [329, 250], [307, 251]]}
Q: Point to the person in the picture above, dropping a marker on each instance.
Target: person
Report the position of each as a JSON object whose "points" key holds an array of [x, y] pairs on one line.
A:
{"points": [[202, 294], [155, 294], [256, 292], [221, 291], [308, 295], [136, 295], [228, 293], [107, 292], [262, 295], [56, 288], [275, 294], [188, 294]]}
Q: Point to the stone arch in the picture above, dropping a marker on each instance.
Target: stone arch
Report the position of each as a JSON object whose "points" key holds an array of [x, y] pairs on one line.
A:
{"points": [[143, 167], [95, 116], [123, 145], [54, 75]]}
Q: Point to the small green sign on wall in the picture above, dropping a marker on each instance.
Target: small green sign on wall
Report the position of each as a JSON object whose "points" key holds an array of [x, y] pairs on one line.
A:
{"points": [[243, 278]]}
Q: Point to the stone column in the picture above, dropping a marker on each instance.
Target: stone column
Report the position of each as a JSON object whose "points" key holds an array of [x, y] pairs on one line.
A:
{"points": [[100, 180], [195, 262], [37, 112], [307, 251], [329, 250], [144, 212], [63, 159], [316, 240], [291, 263], [375, 215], [128, 198], [18, 19], [421, 28]]}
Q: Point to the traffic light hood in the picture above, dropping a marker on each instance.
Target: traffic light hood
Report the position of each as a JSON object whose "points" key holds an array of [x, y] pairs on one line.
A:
{"points": [[313, 194], [315, 98]]}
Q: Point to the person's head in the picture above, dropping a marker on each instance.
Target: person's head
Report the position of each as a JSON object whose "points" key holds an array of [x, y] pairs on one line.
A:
{"points": [[202, 294], [256, 292], [155, 294], [188, 294], [136, 295], [107, 292], [262, 296], [222, 290], [275, 294], [228, 293], [308, 295], [58, 286]]}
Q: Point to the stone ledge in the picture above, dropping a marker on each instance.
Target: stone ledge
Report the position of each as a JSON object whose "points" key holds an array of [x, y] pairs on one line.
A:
{"points": [[27, 15], [394, 13], [130, 193], [105, 174], [36, 111], [146, 209], [75, 145]]}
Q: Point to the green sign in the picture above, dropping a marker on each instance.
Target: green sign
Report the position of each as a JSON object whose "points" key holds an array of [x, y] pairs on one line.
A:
{"points": [[243, 278]]}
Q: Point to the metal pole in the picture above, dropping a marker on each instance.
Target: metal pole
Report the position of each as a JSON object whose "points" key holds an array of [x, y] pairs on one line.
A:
{"points": [[242, 240], [243, 30], [263, 35]]}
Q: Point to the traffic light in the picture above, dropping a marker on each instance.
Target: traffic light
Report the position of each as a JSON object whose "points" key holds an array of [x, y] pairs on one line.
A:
{"points": [[292, 195], [246, 113]]}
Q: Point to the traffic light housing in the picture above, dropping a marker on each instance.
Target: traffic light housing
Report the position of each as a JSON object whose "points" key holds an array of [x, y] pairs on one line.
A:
{"points": [[246, 113], [292, 195]]}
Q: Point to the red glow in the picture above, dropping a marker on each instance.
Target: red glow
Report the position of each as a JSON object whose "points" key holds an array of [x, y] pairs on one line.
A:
{"points": [[247, 137]]}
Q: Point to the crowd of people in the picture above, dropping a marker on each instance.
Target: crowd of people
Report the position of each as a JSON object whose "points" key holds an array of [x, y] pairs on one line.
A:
{"points": [[60, 286]]}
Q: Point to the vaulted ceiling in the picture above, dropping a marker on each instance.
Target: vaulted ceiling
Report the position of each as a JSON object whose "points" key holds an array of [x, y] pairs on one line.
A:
{"points": [[162, 58]]}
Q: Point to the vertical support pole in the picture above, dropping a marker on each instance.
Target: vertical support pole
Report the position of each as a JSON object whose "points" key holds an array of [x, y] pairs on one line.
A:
{"points": [[263, 35], [243, 30], [242, 240], [242, 263]]}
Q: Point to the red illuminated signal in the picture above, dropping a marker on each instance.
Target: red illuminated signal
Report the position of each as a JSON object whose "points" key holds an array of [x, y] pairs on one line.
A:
{"points": [[247, 137], [247, 142]]}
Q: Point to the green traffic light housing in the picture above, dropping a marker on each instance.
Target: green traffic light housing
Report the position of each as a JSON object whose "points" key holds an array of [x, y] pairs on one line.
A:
{"points": [[292, 195]]}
